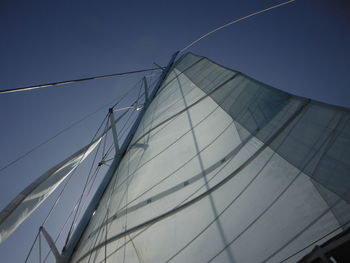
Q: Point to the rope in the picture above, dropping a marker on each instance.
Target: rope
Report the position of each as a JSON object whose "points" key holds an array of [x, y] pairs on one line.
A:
{"points": [[103, 161], [60, 194], [85, 185], [57, 134], [93, 178], [115, 182], [32, 246], [234, 22], [91, 181], [89, 178], [71, 174], [104, 156], [66, 129], [58, 198], [61, 230], [46, 85], [103, 219]]}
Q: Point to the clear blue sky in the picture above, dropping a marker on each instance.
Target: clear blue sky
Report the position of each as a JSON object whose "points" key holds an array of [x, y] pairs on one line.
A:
{"points": [[302, 48]]}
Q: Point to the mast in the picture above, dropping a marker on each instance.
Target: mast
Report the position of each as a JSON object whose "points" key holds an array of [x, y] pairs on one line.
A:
{"points": [[74, 240]]}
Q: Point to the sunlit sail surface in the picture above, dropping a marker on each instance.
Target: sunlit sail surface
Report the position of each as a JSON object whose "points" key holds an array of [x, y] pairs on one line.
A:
{"points": [[224, 168]]}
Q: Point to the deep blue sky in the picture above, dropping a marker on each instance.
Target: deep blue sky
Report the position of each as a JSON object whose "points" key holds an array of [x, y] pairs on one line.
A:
{"points": [[302, 48]]}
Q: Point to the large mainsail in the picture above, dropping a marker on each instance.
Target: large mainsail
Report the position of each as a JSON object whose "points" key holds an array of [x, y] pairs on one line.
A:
{"points": [[223, 168]]}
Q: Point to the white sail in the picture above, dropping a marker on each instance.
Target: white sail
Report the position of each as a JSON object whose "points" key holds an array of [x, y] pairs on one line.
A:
{"points": [[223, 168], [32, 196]]}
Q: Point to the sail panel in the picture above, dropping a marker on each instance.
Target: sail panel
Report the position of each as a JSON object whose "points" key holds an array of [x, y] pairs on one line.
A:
{"points": [[320, 124], [32, 196], [223, 168]]}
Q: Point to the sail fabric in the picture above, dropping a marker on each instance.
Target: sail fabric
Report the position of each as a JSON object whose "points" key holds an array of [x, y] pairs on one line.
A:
{"points": [[32, 196], [223, 168]]}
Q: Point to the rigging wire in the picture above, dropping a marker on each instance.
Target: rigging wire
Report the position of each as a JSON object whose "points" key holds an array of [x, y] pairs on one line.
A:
{"points": [[87, 180], [110, 195], [60, 132], [75, 123], [32, 246], [104, 218], [66, 129], [69, 216], [61, 230], [75, 207], [75, 80], [121, 133], [234, 22], [105, 155], [58, 198], [91, 181], [109, 150], [60, 194], [71, 175]]}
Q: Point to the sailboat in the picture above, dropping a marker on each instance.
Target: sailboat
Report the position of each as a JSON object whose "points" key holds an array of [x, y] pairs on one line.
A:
{"points": [[217, 167]]}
